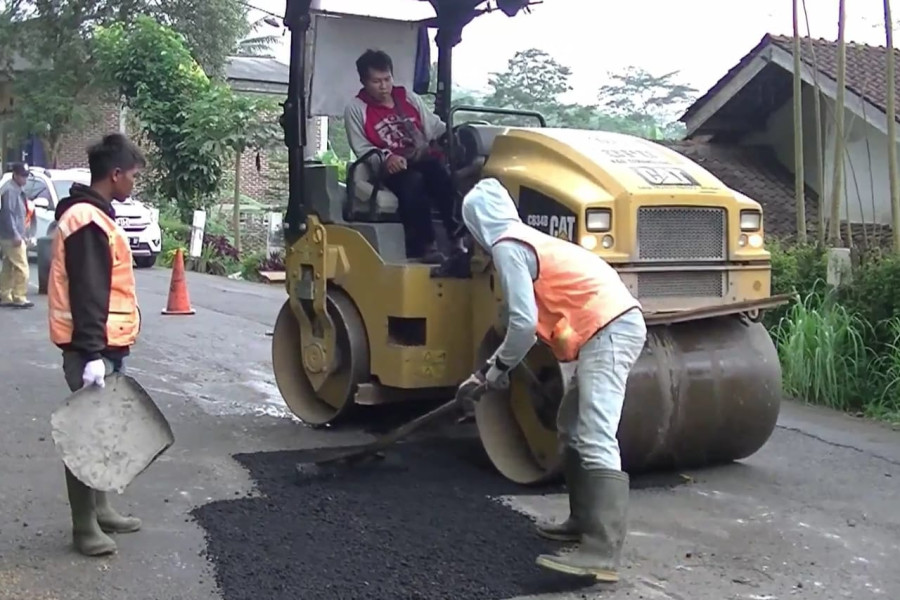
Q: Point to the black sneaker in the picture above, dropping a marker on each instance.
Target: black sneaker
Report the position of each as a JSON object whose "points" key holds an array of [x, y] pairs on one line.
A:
{"points": [[26, 304]]}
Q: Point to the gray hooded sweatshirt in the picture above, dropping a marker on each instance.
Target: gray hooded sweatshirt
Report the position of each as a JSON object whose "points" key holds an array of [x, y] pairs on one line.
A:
{"points": [[488, 210]]}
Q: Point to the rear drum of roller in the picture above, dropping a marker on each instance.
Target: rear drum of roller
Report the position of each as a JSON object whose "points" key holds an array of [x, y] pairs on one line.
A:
{"points": [[702, 393]]}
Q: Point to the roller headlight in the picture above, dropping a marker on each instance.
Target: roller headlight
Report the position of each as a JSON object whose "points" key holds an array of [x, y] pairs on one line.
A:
{"points": [[751, 220], [598, 220]]}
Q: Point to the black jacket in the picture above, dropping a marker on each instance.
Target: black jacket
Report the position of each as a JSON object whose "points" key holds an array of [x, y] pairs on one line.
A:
{"points": [[89, 267]]}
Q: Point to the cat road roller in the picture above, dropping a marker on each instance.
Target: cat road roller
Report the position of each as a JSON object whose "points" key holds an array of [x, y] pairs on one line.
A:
{"points": [[363, 325]]}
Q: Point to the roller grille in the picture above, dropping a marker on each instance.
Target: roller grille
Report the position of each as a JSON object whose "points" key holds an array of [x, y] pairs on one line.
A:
{"points": [[681, 284], [681, 233]]}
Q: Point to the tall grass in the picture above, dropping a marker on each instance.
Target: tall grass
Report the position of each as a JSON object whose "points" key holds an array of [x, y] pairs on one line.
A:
{"points": [[828, 357], [886, 368]]}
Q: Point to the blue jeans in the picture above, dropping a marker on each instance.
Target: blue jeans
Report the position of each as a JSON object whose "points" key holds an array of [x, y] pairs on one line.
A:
{"points": [[588, 418]]}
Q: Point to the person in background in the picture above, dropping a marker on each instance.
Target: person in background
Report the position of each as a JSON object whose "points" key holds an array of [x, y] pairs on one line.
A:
{"points": [[14, 241], [96, 321]]}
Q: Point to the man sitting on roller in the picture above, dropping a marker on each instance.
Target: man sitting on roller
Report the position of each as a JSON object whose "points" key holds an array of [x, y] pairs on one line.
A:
{"points": [[577, 304], [397, 123]]}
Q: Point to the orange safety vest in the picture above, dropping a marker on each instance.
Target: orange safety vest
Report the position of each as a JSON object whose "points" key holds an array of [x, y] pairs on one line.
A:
{"points": [[577, 293], [124, 320]]}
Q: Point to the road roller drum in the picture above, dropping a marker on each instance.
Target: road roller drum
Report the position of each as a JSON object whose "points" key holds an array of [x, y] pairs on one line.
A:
{"points": [[702, 393]]}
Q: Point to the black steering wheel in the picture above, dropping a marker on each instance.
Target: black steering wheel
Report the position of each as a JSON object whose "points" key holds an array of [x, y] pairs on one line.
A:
{"points": [[464, 149]]}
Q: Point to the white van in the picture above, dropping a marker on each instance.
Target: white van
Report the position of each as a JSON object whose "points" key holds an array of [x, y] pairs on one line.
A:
{"points": [[46, 187]]}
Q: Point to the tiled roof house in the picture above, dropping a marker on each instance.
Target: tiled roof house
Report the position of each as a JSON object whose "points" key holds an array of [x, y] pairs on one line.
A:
{"points": [[742, 130]]}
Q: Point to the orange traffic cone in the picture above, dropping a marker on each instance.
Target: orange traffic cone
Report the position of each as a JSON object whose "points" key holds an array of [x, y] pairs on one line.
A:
{"points": [[179, 302]]}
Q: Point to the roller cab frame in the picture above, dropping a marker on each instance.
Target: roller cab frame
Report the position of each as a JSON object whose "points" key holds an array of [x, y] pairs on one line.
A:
{"points": [[364, 325]]}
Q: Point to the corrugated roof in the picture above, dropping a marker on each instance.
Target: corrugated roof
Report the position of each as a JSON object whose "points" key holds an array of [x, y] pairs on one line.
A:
{"points": [[260, 69]]}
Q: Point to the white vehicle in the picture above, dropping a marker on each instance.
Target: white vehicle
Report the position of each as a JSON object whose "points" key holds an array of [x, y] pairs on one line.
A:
{"points": [[46, 187]]}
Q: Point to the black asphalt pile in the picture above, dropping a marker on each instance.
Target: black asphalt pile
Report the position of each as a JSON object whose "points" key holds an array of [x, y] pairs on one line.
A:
{"points": [[424, 525]]}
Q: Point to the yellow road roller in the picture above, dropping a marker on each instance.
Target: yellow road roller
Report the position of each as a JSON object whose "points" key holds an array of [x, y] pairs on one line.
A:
{"points": [[363, 325]]}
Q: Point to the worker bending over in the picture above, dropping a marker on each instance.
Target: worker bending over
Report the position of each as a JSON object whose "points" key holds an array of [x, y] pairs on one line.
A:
{"points": [[576, 303], [95, 320]]}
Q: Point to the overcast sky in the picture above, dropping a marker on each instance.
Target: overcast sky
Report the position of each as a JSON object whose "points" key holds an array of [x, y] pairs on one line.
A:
{"points": [[700, 38]]}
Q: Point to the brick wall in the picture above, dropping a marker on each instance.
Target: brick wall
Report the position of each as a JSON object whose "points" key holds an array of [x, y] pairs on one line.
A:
{"points": [[253, 181], [74, 145], [73, 152]]}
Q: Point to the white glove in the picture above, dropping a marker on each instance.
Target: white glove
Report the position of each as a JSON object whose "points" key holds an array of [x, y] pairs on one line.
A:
{"points": [[497, 379], [94, 373]]}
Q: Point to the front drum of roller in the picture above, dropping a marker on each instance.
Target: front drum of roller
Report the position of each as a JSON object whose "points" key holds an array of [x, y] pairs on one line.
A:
{"points": [[702, 393]]}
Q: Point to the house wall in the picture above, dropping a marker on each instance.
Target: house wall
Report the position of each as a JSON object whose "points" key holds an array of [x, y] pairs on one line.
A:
{"points": [[866, 179], [73, 152], [73, 146]]}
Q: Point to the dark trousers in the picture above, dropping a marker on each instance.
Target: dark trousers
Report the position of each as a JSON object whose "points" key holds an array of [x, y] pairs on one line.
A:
{"points": [[421, 184]]}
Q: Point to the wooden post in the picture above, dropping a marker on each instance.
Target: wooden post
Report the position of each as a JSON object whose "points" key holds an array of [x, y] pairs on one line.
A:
{"points": [[837, 183], [799, 179], [892, 125], [236, 213]]}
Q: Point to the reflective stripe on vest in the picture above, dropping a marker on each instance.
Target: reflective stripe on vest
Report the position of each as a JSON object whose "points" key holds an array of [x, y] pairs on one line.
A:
{"points": [[577, 292], [123, 321]]}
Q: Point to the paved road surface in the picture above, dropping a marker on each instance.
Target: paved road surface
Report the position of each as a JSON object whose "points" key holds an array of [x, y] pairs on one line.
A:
{"points": [[815, 514]]}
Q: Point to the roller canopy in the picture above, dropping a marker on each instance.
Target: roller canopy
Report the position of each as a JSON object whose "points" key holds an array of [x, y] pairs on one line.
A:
{"points": [[510, 7]]}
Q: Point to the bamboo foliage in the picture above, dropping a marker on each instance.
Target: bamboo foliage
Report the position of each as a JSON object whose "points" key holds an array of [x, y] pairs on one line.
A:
{"points": [[799, 180], [837, 184], [892, 125]]}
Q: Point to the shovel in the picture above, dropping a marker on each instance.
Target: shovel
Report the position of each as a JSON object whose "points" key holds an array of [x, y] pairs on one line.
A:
{"points": [[352, 455], [108, 436]]}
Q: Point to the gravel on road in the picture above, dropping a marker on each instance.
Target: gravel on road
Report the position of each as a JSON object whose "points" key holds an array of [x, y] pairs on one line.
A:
{"points": [[425, 525]]}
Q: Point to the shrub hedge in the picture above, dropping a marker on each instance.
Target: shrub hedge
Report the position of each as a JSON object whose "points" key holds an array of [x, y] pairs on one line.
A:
{"points": [[839, 347]]}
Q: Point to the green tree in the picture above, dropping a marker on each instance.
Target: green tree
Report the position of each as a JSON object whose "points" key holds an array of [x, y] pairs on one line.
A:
{"points": [[59, 92], [533, 80], [651, 102], [228, 123], [194, 123], [255, 43], [212, 28]]}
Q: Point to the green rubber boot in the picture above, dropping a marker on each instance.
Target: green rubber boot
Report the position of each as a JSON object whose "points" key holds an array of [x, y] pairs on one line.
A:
{"points": [[570, 529], [110, 521], [604, 524], [86, 533]]}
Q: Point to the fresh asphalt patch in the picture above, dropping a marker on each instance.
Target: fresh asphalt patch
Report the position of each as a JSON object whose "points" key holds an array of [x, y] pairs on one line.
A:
{"points": [[423, 524]]}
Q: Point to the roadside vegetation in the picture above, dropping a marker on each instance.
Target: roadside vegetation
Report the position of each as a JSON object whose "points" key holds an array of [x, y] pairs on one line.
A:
{"points": [[839, 347]]}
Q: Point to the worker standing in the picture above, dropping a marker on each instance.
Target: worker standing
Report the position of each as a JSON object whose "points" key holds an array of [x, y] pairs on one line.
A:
{"points": [[578, 305], [95, 322], [14, 241]]}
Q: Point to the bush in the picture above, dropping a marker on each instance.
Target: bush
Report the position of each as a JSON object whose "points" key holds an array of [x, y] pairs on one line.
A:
{"points": [[838, 348], [823, 356], [795, 270], [258, 261], [875, 294]]}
